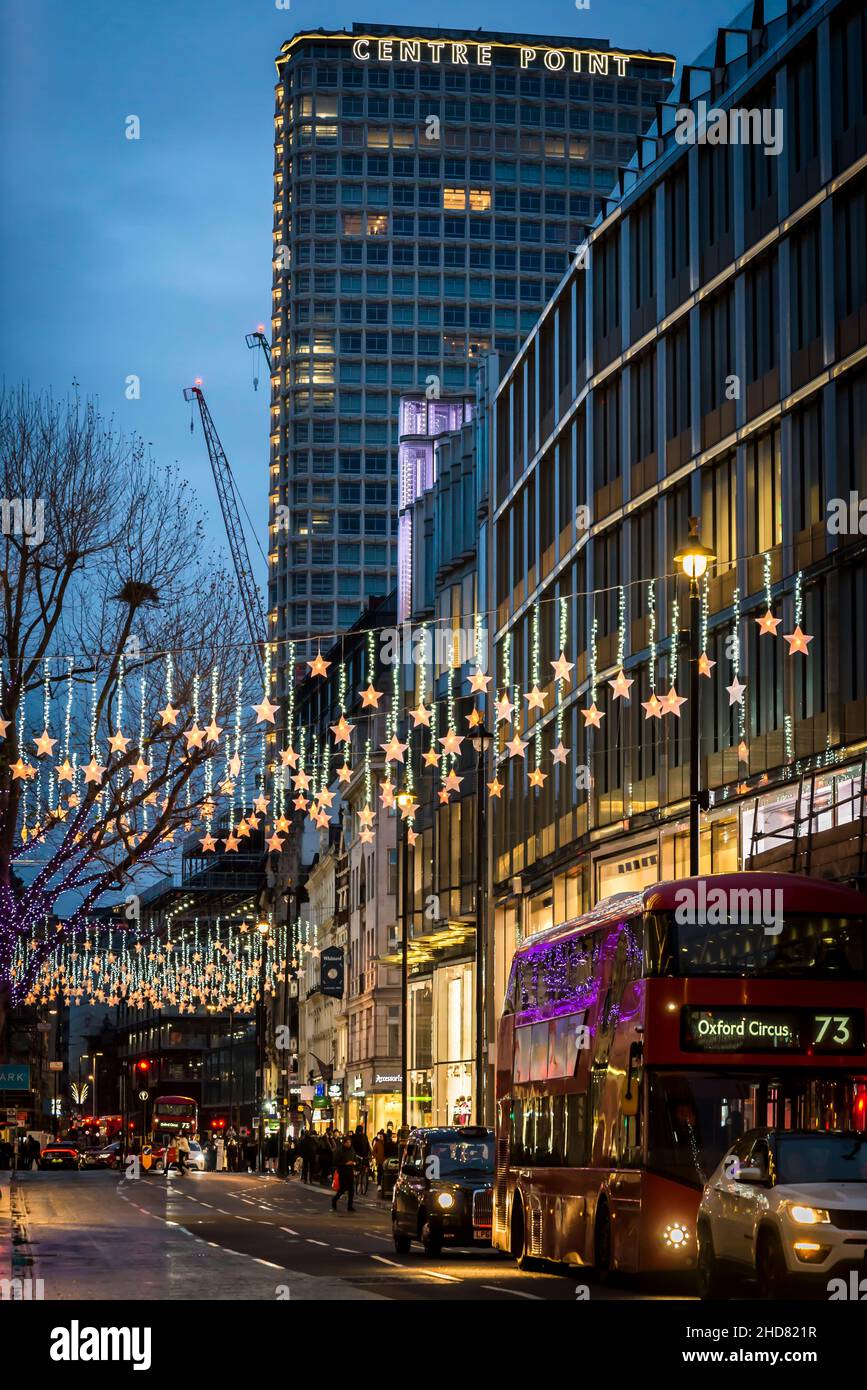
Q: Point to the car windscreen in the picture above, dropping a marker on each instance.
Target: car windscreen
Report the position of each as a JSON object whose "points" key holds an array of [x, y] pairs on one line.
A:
{"points": [[821, 1158], [463, 1156]]}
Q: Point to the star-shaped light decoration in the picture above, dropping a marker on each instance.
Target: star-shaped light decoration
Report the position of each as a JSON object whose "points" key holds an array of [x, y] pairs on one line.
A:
{"points": [[94, 770], [516, 747], [370, 697], [592, 717], [560, 753], [394, 749], [768, 623], [208, 843], [21, 771], [420, 715], [453, 782], [288, 758], [4, 725], [430, 758], [475, 718], [231, 843], [621, 685], [213, 731], [318, 666], [275, 843], [45, 744], [736, 692], [411, 836], [537, 777], [300, 802], [301, 780], [672, 702], [344, 774], [234, 766], [443, 796], [705, 665], [479, 682], [504, 707], [265, 710], [495, 788], [194, 736], [535, 698], [798, 641], [253, 821], [366, 816], [117, 743], [743, 752], [652, 707], [386, 793], [169, 715], [261, 804], [342, 730], [140, 770], [451, 741], [65, 771], [326, 797], [366, 836], [562, 668], [408, 810]]}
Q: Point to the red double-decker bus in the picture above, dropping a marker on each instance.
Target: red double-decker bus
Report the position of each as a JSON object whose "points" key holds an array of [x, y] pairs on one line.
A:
{"points": [[639, 1041], [173, 1116]]}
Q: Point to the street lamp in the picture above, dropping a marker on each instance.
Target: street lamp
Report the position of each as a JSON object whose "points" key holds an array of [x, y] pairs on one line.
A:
{"points": [[262, 927], [404, 799], [96, 1055], [482, 738], [694, 559]]}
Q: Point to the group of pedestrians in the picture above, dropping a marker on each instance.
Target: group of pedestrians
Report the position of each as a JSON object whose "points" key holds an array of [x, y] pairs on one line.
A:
{"points": [[28, 1151], [338, 1160]]}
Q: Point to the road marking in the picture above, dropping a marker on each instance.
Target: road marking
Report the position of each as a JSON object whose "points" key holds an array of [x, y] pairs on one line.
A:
{"points": [[268, 1263], [450, 1278], [244, 1218], [310, 1241], [345, 1250], [517, 1293], [288, 1230], [384, 1261], [248, 1201], [209, 1205]]}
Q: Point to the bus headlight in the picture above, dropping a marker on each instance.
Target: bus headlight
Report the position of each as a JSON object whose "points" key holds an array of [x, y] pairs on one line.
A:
{"points": [[445, 1200], [808, 1216], [676, 1236]]}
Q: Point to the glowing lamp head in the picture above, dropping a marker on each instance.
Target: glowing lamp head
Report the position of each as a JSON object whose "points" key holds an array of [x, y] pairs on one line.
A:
{"points": [[403, 799], [263, 926], [694, 557]]}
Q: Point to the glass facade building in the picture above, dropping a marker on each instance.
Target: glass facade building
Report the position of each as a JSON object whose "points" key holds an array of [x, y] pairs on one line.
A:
{"points": [[428, 188], [709, 359]]}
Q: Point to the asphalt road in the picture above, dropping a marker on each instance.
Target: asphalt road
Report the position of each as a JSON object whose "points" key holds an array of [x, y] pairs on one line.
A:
{"points": [[91, 1235]]}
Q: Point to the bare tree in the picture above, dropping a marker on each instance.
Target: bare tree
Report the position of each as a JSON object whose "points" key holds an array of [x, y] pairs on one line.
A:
{"points": [[116, 615]]}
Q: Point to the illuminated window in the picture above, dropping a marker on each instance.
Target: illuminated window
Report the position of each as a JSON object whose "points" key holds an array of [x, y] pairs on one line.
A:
{"points": [[377, 224], [326, 107], [377, 137], [323, 343], [480, 200], [403, 139], [323, 375], [454, 198], [351, 223], [326, 135]]}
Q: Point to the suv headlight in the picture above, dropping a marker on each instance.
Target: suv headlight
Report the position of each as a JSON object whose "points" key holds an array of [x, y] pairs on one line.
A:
{"points": [[445, 1200], [807, 1216]]}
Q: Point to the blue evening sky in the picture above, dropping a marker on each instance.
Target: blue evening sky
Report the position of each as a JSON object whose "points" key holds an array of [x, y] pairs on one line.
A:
{"points": [[152, 257]]}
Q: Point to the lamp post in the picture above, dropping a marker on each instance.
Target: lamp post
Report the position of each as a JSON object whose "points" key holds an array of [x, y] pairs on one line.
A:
{"points": [[263, 927], [482, 737], [96, 1057], [404, 798], [694, 559]]}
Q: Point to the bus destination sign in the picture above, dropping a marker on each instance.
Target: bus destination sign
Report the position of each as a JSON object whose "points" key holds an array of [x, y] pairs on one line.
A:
{"points": [[809, 1031]]}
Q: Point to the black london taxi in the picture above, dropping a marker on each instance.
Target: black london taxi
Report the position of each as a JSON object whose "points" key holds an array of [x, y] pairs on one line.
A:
{"points": [[444, 1190]]}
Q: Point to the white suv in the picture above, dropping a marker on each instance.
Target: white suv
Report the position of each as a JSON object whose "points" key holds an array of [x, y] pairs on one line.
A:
{"points": [[786, 1207]]}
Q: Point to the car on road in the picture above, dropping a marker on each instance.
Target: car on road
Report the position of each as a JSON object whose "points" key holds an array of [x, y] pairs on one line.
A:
{"points": [[60, 1153], [787, 1208], [444, 1189]]}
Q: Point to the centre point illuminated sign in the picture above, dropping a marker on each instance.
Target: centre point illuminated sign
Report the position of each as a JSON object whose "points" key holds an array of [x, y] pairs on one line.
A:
{"points": [[584, 60]]}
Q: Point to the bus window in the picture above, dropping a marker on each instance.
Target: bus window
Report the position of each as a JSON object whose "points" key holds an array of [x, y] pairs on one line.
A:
{"points": [[576, 1131]]}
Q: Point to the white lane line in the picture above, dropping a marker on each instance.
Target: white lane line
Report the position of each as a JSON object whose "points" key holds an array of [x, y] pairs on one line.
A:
{"points": [[384, 1261], [516, 1293], [345, 1250], [449, 1278], [209, 1205], [310, 1241], [244, 1218], [267, 1263], [288, 1230], [248, 1202], [223, 1213], [376, 1236]]}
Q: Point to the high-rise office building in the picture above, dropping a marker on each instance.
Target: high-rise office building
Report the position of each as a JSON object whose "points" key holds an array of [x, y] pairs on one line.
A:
{"points": [[428, 188]]}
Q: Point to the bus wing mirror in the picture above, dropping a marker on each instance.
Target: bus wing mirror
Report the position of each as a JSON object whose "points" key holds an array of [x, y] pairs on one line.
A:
{"points": [[629, 1103]]}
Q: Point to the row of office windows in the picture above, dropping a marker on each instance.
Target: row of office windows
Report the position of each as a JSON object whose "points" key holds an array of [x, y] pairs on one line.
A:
{"points": [[453, 137], [318, 615], [503, 83], [451, 198], [376, 494], [427, 256], [348, 553], [322, 107], [406, 166]]}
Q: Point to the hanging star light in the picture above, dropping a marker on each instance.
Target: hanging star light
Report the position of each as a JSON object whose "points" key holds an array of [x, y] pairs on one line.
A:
{"points": [[194, 737], [705, 665], [342, 730], [479, 682], [452, 782], [504, 707], [288, 758], [535, 698], [265, 710], [451, 741], [394, 749], [537, 778], [169, 714], [768, 623], [736, 692], [798, 641], [652, 707], [370, 697], [420, 715], [318, 666], [430, 758], [560, 753], [44, 745], [516, 746], [562, 668], [672, 702], [621, 685], [495, 788], [592, 717]]}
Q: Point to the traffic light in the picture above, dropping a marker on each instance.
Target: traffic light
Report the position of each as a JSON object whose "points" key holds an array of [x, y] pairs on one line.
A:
{"points": [[143, 1066]]}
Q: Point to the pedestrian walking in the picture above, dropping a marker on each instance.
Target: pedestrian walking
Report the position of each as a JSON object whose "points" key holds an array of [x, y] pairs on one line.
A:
{"points": [[307, 1147], [378, 1151], [183, 1154], [344, 1174]]}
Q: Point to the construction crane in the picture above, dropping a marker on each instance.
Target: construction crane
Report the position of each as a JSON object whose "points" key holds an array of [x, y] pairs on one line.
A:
{"points": [[258, 341], [228, 495]]}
